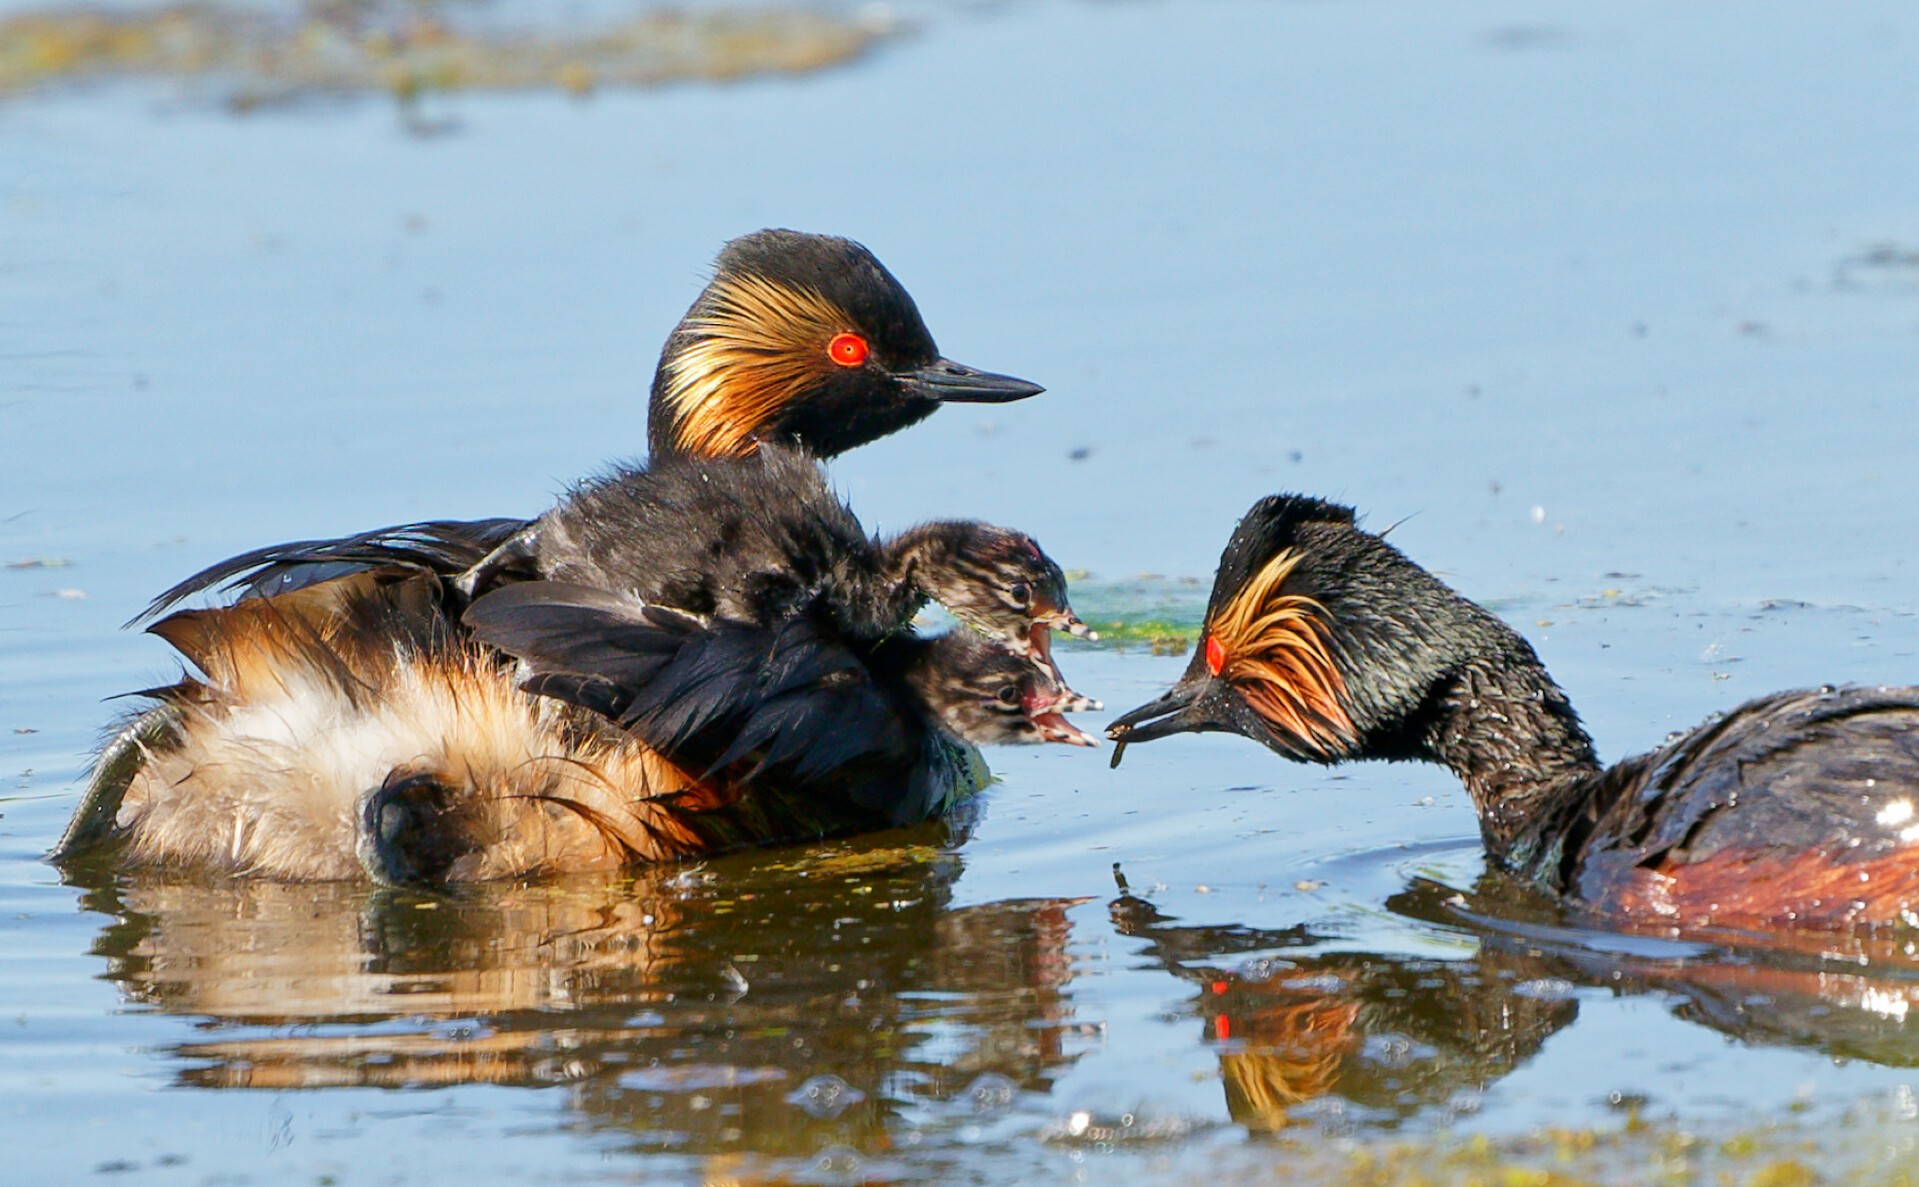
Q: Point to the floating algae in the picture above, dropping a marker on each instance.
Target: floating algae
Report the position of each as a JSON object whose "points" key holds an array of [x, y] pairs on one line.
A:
{"points": [[255, 58], [1161, 615]]}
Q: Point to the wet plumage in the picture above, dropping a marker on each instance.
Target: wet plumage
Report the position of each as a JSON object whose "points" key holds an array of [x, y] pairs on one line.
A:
{"points": [[1793, 809], [344, 721], [761, 538], [347, 730]]}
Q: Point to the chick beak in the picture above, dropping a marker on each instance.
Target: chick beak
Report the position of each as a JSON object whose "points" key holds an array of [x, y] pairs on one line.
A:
{"points": [[956, 383], [1044, 712], [1061, 618], [1072, 702], [1054, 728], [1073, 626], [1169, 714], [1039, 650]]}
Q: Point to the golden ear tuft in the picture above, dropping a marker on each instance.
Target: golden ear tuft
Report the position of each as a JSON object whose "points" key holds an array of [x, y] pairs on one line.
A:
{"points": [[1272, 647], [756, 347]]}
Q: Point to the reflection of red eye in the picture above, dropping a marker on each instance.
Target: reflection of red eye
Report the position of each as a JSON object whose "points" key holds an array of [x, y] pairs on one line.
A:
{"points": [[1215, 655], [848, 350]]}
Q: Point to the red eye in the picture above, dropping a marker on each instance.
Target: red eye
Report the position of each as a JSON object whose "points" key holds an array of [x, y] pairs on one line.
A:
{"points": [[1215, 655], [848, 350]]}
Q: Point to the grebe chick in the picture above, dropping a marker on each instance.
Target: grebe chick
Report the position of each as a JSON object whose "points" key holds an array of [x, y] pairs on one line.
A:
{"points": [[996, 580], [759, 538], [788, 708], [1326, 644]]}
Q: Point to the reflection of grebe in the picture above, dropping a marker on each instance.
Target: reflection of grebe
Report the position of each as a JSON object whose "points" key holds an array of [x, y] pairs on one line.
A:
{"points": [[347, 724], [693, 1002], [1291, 1052], [1326, 644], [1852, 995], [1386, 1032]]}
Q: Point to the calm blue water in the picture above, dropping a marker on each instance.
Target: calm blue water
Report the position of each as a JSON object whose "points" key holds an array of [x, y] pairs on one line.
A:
{"points": [[1615, 308]]}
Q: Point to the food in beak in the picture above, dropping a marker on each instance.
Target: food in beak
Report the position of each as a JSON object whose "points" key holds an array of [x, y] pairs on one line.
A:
{"points": [[1155, 719]]}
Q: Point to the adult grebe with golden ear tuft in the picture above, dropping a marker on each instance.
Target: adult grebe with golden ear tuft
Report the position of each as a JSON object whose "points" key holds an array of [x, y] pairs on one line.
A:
{"points": [[799, 339], [343, 666], [1326, 644]]}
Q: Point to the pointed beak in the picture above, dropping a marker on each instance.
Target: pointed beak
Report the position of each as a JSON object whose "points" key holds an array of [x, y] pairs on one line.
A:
{"points": [[956, 383], [1167, 716], [1039, 651], [1061, 618], [1072, 702], [1044, 709], [1054, 728]]}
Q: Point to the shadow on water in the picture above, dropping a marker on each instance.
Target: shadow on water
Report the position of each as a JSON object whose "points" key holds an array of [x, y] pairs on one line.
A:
{"points": [[1304, 1034], [771, 1003]]}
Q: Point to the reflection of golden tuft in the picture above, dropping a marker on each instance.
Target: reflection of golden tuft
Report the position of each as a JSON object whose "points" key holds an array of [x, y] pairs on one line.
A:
{"points": [[757, 348], [1292, 1054], [1273, 650]]}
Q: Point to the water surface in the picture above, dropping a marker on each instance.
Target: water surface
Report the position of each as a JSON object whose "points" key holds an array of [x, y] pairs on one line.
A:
{"points": [[1616, 309]]}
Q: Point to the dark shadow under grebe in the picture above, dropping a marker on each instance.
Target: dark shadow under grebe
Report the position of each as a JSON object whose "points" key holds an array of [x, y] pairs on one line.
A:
{"points": [[1850, 995], [1327, 644]]}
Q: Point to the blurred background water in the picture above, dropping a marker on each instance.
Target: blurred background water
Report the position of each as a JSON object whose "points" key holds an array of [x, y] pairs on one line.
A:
{"points": [[1616, 308]]}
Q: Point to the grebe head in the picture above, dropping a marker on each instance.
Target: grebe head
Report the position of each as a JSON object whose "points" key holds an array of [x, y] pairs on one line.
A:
{"points": [[999, 582], [986, 695], [1321, 641], [804, 338]]}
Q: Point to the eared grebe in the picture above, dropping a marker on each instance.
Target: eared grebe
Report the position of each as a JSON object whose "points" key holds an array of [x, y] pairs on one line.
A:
{"points": [[1326, 644]]}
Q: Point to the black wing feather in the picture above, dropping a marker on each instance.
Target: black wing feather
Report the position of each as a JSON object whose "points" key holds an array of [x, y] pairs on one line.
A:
{"points": [[789, 703], [573, 636], [445, 547]]}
